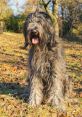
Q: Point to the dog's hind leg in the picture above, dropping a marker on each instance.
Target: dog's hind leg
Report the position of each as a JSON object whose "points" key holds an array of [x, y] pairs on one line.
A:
{"points": [[36, 91]]}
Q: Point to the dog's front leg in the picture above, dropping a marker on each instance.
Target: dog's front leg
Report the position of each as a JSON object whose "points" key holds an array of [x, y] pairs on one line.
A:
{"points": [[36, 91]]}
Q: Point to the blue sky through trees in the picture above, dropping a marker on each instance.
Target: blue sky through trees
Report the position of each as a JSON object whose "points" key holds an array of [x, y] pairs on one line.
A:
{"points": [[17, 6]]}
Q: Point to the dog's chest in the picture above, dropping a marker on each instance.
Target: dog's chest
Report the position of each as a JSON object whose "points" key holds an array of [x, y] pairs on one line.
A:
{"points": [[40, 63]]}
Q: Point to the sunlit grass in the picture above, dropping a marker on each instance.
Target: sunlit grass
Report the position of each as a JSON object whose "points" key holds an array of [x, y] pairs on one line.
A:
{"points": [[13, 75]]}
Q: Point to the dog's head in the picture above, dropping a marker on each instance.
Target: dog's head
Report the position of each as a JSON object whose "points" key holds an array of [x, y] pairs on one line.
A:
{"points": [[34, 33], [39, 29]]}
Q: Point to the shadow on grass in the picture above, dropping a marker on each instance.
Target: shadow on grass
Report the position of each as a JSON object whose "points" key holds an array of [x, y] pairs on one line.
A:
{"points": [[13, 60], [74, 38], [15, 90], [78, 90]]}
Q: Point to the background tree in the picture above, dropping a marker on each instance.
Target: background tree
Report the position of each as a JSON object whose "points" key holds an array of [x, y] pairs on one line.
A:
{"points": [[15, 23], [31, 6], [64, 20], [5, 12], [67, 17], [71, 12]]}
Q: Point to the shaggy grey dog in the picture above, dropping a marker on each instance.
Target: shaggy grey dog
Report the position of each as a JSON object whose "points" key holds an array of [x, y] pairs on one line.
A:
{"points": [[47, 74]]}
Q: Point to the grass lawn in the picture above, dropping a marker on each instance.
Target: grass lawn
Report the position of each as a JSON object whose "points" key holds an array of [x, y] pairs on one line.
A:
{"points": [[13, 74]]}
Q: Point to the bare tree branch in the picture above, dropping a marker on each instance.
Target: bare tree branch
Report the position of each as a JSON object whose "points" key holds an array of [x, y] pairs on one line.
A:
{"points": [[46, 4]]}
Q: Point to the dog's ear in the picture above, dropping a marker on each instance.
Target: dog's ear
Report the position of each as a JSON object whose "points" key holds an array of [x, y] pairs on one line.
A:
{"points": [[52, 41], [25, 40], [25, 44], [51, 37]]}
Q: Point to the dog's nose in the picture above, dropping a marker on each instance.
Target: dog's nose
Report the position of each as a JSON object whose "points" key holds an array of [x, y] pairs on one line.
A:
{"points": [[35, 32]]}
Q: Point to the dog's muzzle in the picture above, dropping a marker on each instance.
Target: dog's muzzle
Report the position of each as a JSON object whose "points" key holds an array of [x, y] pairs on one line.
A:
{"points": [[34, 37]]}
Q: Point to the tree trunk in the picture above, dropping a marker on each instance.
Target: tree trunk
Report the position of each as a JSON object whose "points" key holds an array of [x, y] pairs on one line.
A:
{"points": [[55, 13], [1, 27]]}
